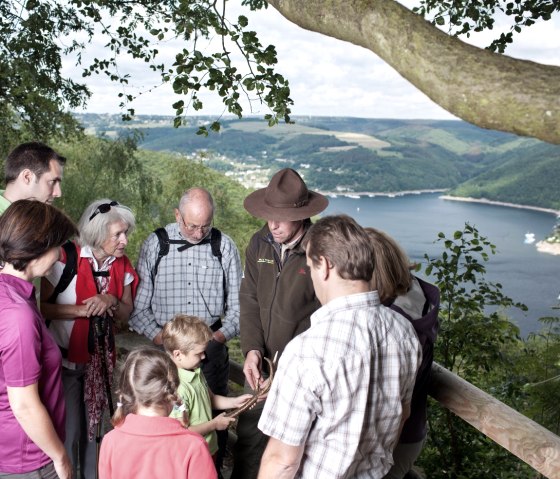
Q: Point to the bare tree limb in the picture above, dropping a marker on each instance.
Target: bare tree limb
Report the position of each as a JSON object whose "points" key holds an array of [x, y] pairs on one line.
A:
{"points": [[486, 89]]}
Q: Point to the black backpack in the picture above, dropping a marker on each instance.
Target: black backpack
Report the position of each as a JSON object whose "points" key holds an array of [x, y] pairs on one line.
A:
{"points": [[214, 240]]}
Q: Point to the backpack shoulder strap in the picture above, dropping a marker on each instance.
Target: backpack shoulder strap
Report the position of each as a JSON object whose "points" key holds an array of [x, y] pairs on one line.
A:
{"points": [[69, 271], [215, 243], [163, 239]]}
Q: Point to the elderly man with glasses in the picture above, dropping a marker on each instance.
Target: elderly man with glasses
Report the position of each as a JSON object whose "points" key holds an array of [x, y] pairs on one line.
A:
{"points": [[192, 278]]}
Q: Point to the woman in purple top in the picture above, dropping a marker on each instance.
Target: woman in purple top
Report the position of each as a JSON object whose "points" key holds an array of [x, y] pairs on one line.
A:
{"points": [[31, 398]]}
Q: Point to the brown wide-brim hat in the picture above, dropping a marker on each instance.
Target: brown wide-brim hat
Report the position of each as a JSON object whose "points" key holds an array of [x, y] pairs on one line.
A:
{"points": [[286, 198]]}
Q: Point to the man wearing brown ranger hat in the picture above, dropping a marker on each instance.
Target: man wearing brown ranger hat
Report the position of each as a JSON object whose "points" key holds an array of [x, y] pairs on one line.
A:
{"points": [[276, 295]]}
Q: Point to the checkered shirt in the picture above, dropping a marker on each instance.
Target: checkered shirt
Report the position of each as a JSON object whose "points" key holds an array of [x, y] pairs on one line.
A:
{"points": [[189, 282], [340, 387]]}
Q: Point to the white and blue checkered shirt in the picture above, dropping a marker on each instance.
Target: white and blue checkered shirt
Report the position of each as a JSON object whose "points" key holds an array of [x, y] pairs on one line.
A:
{"points": [[189, 282], [341, 386]]}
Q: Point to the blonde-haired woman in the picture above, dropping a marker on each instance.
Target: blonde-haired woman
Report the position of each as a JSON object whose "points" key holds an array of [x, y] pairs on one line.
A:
{"points": [[417, 301]]}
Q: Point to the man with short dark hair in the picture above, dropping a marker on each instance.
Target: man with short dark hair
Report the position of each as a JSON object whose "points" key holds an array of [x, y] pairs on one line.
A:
{"points": [[343, 387], [276, 295], [33, 171]]}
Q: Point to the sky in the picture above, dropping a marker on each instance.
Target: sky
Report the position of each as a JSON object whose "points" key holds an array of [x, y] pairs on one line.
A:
{"points": [[327, 77]]}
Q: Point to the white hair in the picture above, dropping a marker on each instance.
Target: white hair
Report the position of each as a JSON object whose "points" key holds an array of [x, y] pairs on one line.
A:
{"points": [[195, 193], [94, 231]]}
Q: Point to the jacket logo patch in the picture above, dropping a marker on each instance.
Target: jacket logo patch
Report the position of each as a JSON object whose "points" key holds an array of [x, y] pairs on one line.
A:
{"points": [[302, 271], [265, 260]]}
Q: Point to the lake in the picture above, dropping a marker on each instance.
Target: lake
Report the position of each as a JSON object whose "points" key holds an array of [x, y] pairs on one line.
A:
{"points": [[526, 275]]}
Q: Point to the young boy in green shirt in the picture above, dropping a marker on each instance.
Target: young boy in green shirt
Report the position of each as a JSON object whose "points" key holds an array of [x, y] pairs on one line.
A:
{"points": [[185, 339]]}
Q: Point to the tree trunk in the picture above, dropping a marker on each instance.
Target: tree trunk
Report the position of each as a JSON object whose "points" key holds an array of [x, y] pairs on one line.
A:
{"points": [[486, 89]]}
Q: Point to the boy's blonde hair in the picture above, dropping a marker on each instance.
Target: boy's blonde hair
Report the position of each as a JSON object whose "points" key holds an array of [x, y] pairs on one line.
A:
{"points": [[184, 332]]}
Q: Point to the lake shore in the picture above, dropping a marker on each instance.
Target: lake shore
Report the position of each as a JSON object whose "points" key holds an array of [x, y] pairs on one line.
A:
{"points": [[372, 194], [542, 246], [500, 203]]}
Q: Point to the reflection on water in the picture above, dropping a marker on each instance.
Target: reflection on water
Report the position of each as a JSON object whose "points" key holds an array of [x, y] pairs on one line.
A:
{"points": [[526, 275]]}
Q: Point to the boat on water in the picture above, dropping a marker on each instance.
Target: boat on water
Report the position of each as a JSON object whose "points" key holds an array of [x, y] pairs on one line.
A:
{"points": [[356, 197], [529, 238]]}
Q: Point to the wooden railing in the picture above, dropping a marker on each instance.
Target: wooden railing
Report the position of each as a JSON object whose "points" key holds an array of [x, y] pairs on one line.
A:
{"points": [[521, 436]]}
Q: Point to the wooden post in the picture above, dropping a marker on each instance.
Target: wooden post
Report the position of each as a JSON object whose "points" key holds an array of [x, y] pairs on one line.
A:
{"points": [[523, 437]]}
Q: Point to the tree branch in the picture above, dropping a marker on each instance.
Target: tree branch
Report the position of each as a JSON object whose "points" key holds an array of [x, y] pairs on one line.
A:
{"points": [[486, 89]]}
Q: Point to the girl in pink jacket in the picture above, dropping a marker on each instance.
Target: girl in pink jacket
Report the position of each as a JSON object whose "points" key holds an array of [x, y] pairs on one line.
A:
{"points": [[146, 443]]}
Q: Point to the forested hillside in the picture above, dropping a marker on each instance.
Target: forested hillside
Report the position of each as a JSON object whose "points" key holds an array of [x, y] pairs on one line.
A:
{"points": [[365, 155], [528, 175]]}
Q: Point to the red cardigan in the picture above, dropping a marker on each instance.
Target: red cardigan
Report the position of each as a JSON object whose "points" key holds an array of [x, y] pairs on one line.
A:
{"points": [[86, 288]]}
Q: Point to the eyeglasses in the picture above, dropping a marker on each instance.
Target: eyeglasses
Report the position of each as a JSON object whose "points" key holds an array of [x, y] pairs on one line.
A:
{"points": [[103, 208], [192, 228]]}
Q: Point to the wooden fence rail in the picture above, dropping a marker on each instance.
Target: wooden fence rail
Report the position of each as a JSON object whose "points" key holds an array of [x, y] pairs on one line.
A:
{"points": [[521, 436]]}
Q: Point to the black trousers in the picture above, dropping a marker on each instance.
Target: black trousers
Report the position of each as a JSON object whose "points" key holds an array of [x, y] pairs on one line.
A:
{"points": [[216, 371]]}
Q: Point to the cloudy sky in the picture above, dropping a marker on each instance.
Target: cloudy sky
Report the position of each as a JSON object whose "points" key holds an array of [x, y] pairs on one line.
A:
{"points": [[327, 76]]}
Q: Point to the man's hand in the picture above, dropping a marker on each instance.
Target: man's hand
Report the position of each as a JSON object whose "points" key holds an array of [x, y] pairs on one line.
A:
{"points": [[219, 336], [157, 339], [252, 368]]}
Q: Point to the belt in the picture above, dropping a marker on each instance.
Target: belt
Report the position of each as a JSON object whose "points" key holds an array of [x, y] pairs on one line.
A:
{"points": [[217, 325]]}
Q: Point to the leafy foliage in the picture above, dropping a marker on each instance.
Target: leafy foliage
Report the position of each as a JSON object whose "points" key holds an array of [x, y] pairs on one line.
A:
{"points": [[465, 16], [102, 168], [539, 364], [473, 335], [35, 36]]}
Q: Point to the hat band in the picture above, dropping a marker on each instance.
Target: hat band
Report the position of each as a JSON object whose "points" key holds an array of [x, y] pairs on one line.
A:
{"points": [[289, 205]]}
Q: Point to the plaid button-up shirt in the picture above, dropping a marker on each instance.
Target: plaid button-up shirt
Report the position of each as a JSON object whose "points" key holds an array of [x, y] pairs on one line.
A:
{"points": [[189, 282], [341, 386]]}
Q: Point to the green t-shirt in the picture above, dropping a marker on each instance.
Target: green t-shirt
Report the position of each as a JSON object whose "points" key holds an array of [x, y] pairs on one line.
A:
{"points": [[4, 203], [193, 391]]}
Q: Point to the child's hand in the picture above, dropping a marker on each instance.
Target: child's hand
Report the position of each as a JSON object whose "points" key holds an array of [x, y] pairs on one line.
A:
{"points": [[222, 421], [240, 400]]}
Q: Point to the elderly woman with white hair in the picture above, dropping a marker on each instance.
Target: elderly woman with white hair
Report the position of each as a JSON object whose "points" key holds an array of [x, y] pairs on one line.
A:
{"points": [[87, 291]]}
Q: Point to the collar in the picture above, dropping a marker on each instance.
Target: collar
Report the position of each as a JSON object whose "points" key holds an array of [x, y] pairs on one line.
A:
{"points": [[188, 375], [344, 303], [295, 245], [86, 252], [151, 425], [23, 288]]}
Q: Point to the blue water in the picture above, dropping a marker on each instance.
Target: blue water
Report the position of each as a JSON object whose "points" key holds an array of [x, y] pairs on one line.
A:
{"points": [[526, 275]]}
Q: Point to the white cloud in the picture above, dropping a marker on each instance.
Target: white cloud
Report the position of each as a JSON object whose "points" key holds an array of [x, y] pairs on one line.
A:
{"points": [[327, 76]]}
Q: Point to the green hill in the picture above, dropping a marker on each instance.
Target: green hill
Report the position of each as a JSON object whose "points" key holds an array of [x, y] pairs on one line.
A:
{"points": [[358, 154], [528, 176]]}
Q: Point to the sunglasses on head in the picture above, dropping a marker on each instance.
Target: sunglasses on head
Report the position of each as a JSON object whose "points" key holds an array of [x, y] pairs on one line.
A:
{"points": [[103, 208]]}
